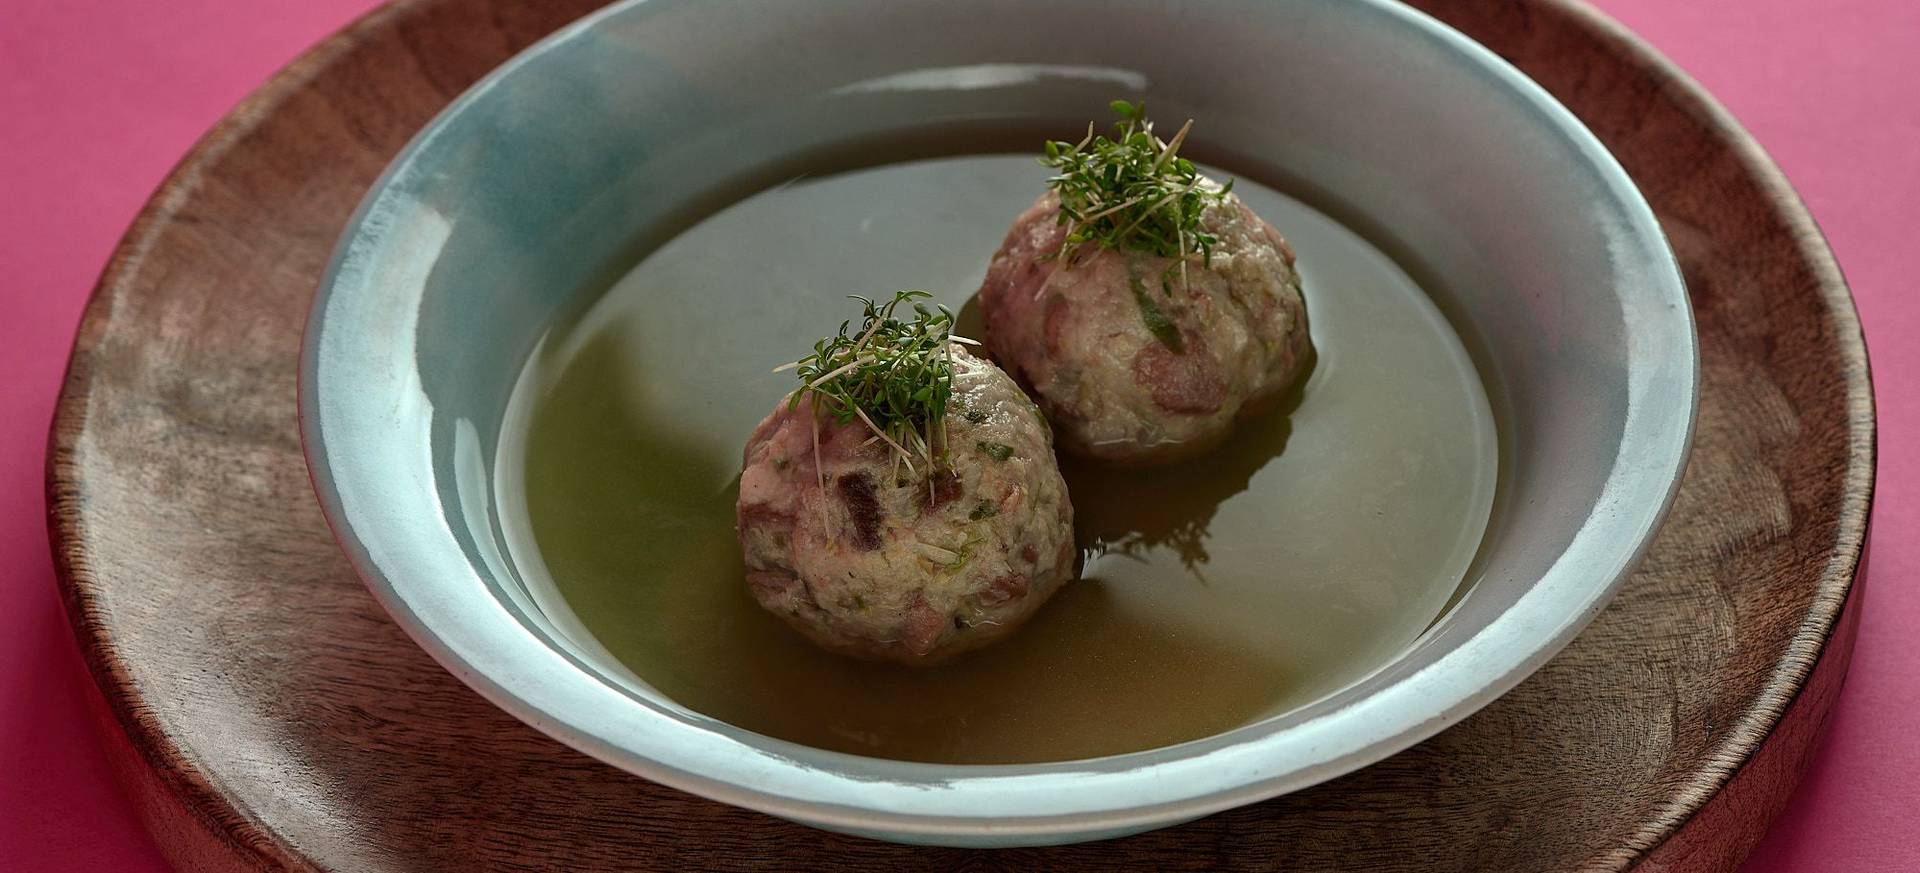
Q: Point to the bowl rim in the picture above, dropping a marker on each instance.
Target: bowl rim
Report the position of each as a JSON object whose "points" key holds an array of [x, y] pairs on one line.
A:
{"points": [[723, 767]]}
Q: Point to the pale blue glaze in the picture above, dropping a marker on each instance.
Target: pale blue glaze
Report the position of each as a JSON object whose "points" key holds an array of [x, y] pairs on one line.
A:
{"points": [[568, 163]]}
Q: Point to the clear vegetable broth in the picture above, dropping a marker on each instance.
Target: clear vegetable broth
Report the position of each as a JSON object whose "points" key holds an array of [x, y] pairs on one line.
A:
{"points": [[1215, 593]]}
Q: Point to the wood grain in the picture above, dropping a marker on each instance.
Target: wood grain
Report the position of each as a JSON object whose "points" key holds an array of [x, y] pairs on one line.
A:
{"points": [[266, 715]]}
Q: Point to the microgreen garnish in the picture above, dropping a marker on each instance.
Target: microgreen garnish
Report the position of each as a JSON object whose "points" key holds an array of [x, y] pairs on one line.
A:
{"points": [[892, 374], [1131, 192], [996, 451]]}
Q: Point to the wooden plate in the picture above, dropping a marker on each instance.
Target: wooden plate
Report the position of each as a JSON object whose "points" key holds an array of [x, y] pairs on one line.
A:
{"points": [[266, 715]]}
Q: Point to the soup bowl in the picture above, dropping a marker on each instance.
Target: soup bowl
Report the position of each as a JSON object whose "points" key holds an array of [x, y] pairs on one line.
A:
{"points": [[571, 162]]}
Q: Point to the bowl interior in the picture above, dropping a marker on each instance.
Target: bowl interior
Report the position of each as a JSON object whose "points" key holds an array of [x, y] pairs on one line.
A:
{"points": [[1212, 593], [559, 172]]}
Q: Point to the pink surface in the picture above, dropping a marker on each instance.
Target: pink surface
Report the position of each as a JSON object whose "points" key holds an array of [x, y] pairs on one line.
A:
{"points": [[98, 99]]}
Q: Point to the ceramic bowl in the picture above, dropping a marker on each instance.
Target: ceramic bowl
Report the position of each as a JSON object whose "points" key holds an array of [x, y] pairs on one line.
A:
{"points": [[579, 155]]}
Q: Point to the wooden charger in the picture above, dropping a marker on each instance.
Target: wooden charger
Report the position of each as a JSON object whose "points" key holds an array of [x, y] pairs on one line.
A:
{"points": [[265, 714]]}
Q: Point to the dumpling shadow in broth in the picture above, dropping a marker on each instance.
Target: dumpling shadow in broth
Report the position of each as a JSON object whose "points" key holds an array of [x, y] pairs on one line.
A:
{"points": [[1132, 510], [1129, 511]]}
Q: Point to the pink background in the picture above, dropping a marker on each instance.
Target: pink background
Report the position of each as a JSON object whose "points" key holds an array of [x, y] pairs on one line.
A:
{"points": [[98, 99]]}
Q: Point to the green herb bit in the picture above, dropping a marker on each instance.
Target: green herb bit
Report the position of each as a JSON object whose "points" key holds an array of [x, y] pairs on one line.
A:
{"points": [[1131, 191], [986, 509], [1158, 324], [976, 416], [996, 451], [893, 374]]}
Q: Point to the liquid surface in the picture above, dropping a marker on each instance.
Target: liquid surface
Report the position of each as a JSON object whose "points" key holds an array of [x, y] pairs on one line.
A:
{"points": [[1216, 592]]}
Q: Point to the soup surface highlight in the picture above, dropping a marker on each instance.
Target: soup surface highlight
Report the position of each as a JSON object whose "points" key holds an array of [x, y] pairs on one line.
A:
{"points": [[1307, 551]]}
